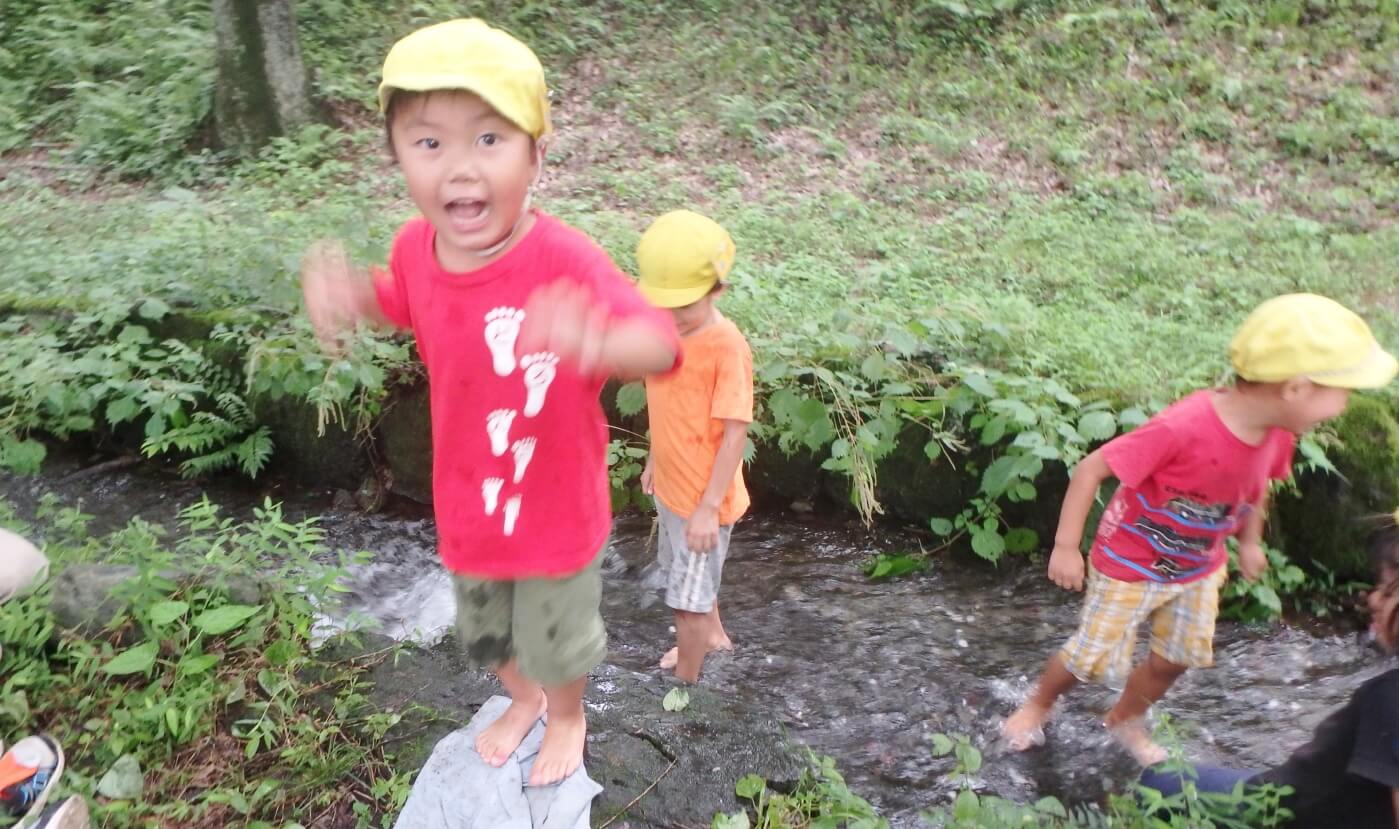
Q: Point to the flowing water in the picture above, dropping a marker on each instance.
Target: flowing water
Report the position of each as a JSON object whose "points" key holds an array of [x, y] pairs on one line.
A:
{"points": [[858, 670]]}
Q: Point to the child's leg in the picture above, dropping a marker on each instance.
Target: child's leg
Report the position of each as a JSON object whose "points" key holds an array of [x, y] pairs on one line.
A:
{"points": [[484, 629], [715, 638], [1182, 636], [1145, 687], [560, 637], [565, 735], [527, 704], [693, 636], [1147, 684], [720, 640], [692, 591], [1023, 728], [1100, 648]]}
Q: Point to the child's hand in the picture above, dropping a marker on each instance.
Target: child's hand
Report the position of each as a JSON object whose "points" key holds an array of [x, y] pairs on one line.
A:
{"points": [[334, 291], [565, 318], [1252, 560], [648, 476], [1066, 567], [702, 530]]}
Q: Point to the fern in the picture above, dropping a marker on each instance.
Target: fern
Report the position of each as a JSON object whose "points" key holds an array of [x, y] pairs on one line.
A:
{"points": [[217, 440]]}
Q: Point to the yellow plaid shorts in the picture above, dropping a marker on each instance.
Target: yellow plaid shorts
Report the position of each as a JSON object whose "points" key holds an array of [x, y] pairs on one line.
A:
{"points": [[1182, 624]]}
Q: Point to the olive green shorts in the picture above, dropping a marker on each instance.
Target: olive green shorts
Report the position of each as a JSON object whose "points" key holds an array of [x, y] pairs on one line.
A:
{"points": [[552, 627]]}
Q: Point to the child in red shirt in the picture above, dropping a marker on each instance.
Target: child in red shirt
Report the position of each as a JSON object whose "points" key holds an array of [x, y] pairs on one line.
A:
{"points": [[519, 319], [1193, 475]]}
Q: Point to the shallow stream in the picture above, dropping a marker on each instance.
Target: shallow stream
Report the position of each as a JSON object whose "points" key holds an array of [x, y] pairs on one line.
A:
{"points": [[858, 670]]}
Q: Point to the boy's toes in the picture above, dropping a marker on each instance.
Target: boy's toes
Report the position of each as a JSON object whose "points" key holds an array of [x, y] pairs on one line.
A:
{"points": [[1023, 740], [1024, 729], [1136, 739]]}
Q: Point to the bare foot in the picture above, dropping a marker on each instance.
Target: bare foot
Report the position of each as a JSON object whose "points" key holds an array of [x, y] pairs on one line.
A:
{"points": [[502, 737], [561, 753], [1024, 729], [1134, 737], [672, 656]]}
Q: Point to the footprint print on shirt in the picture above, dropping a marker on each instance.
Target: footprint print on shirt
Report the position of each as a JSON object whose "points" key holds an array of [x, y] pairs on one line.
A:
{"points": [[490, 491], [523, 450], [540, 370], [502, 329], [512, 513], [498, 427]]}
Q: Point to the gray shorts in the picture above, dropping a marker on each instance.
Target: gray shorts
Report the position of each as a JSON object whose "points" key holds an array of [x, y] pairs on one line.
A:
{"points": [[691, 580]]}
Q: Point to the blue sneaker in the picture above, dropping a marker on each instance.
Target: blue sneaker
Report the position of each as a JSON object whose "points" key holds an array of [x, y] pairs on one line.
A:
{"points": [[29, 772]]}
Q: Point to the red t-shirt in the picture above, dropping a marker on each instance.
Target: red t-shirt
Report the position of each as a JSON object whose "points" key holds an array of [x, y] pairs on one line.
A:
{"points": [[519, 469], [1187, 483]]}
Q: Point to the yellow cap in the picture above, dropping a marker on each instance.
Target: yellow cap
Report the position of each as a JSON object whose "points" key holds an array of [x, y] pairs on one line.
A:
{"points": [[470, 55], [1310, 336], [681, 256]]}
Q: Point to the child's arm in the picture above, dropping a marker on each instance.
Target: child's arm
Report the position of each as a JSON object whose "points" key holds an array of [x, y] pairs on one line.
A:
{"points": [[1066, 567], [702, 530], [568, 319], [338, 295], [1252, 560]]}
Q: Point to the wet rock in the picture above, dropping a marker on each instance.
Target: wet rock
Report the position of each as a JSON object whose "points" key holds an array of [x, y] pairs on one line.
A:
{"points": [[693, 757], [371, 493], [776, 479], [1324, 522], [88, 597], [405, 443], [914, 486], [302, 452]]}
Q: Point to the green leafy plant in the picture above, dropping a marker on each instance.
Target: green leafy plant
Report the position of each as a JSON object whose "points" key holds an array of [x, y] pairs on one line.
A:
{"points": [[894, 565], [820, 799], [194, 707]]}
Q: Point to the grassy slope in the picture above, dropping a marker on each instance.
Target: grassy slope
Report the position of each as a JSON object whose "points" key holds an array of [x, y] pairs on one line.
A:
{"points": [[1113, 184]]}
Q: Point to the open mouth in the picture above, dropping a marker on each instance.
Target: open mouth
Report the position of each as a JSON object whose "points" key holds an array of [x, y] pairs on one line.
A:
{"points": [[467, 214]]}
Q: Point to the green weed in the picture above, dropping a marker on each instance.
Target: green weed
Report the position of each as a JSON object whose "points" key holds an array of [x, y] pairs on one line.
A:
{"points": [[193, 707]]}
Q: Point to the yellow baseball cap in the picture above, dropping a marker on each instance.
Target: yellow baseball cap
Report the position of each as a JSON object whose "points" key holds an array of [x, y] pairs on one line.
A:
{"points": [[468, 54], [1310, 336], [681, 256]]}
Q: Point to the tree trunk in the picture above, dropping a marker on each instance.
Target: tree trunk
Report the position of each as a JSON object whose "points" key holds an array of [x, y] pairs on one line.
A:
{"points": [[263, 89]]}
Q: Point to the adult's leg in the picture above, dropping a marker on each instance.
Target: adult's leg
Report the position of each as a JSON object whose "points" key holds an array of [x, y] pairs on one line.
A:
{"points": [[1215, 779]]}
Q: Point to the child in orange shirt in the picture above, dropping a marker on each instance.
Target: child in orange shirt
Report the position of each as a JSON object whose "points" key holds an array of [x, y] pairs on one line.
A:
{"points": [[699, 427]]}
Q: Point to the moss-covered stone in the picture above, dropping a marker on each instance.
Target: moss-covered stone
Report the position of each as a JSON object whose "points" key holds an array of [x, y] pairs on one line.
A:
{"points": [[1322, 523], [404, 438], [335, 458]]}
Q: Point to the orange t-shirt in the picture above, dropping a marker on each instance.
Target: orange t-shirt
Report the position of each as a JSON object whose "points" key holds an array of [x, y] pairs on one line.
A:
{"points": [[687, 409]]}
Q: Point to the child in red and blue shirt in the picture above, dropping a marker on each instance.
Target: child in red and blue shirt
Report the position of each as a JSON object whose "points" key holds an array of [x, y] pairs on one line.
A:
{"points": [[1189, 478]]}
